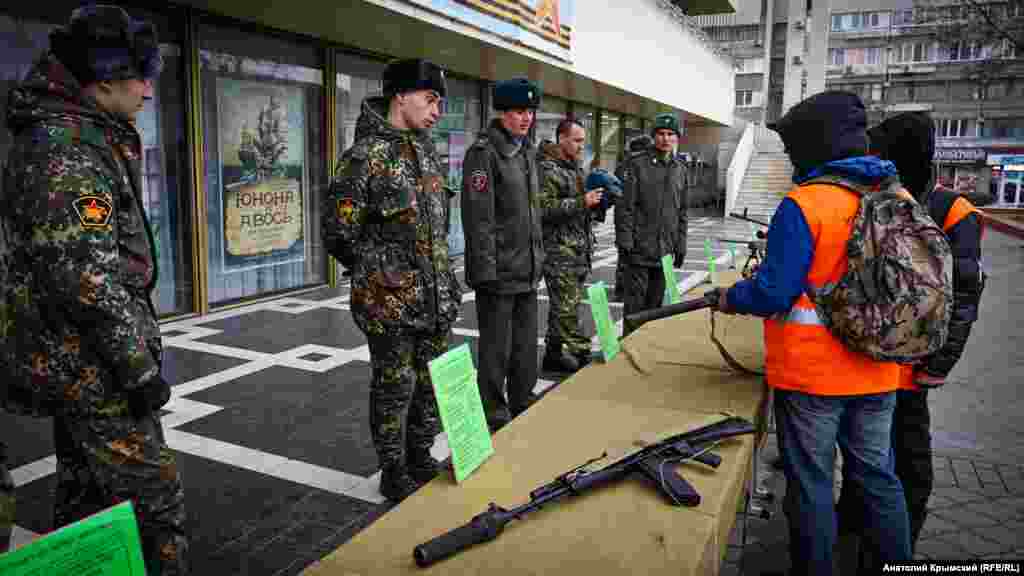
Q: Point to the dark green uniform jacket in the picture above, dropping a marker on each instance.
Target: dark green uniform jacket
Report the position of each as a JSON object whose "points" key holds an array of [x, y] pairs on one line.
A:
{"points": [[501, 213], [387, 218], [652, 221], [78, 255]]}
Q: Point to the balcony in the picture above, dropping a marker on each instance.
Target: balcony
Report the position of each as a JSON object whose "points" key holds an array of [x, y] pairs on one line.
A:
{"points": [[706, 7]]}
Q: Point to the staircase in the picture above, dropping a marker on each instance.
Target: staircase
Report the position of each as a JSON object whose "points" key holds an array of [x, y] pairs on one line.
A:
{"points": [[767, 179]]}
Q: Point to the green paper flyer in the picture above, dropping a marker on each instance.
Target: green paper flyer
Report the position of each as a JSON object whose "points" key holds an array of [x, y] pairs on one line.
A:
{"points": [[670, 279], [607, 334], [462, 412], [104, 544]]}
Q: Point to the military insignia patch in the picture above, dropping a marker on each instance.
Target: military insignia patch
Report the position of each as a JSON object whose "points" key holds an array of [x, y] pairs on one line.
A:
{"points": [[478, 180], [345, 209], [93, 211]]}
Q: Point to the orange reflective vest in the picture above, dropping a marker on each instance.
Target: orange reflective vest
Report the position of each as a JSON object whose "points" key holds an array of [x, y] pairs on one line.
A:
{"points": [[961, 208], [800, 353]]}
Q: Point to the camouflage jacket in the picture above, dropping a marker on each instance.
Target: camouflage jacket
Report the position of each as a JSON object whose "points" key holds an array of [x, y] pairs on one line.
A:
{"points": [[567, 222], [78, 254], [387, 219]]}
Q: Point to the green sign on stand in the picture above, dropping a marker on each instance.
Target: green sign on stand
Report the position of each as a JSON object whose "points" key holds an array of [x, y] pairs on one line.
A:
{"points": [[671, 284], [104, 544], [607, 334], [462, 412]]}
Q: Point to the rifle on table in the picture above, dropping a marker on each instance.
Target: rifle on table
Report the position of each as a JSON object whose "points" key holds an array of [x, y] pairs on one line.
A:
{"points": [[749, 219], [634, 321], [652, 461]]}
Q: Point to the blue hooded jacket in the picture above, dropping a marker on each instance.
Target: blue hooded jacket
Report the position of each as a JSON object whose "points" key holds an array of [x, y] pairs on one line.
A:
{"points": [[782, 276]]}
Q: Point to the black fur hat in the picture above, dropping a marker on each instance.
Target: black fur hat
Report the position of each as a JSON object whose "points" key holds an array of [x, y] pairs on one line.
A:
{"points": [[516, 93], [102, 42], [414, 74]]}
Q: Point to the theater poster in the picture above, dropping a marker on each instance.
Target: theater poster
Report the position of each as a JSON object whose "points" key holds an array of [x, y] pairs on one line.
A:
{"points": [[263, 173], [544, 25]]}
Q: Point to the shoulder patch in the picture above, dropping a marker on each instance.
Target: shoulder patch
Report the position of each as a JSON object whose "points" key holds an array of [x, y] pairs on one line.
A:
{"points": [[345, 209], [478, 180], [93, 211]]}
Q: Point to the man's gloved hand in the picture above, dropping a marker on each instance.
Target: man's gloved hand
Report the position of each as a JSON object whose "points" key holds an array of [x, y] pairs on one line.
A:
{"points": [[677, 259], [927, 381], [148, 397]]}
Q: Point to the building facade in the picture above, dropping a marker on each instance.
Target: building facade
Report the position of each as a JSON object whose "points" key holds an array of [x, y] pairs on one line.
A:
{"points": [[239, 73], [897, 56]]}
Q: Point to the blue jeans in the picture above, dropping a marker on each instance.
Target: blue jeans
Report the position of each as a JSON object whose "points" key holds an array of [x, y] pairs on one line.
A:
{"points": [[808, 427]]}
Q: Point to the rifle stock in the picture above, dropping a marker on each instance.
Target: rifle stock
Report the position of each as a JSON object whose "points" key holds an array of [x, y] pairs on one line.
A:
{"points": [[487, 525], [634, 321]]}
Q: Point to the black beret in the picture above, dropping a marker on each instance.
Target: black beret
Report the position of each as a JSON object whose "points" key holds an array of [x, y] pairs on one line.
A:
{"points": [[516, 93], [414, 74]]}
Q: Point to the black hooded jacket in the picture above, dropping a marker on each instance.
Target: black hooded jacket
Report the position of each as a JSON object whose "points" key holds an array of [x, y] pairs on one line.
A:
{"points": [[908, 141]]}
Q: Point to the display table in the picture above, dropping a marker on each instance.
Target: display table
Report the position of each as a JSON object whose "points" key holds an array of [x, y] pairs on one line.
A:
{"points": [[669, 377]]}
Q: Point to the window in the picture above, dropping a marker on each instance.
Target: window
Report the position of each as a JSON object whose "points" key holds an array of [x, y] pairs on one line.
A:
{"points": [[875, 19], [166, 195], [611, 139], [873, 56], [876, 92], [744, 98], [903, 17], [837, 56], [261, 93], [586, 116], [952, 127], [837, 22], [919, 52]]}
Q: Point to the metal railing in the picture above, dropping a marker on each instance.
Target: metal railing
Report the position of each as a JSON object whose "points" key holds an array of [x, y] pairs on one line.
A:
{"points": [[745, 150]]}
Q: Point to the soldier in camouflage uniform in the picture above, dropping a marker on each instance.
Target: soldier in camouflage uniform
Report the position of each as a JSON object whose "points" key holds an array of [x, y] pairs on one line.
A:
{"points": [[6, 501], [387, 219], [80, 340], [568, 245]]}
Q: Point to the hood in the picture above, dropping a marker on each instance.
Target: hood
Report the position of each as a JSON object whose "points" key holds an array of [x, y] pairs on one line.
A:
{"points": [[373, 122], [50, 94], [908, 141], [551, 152], [828, 126], [867, 170]]}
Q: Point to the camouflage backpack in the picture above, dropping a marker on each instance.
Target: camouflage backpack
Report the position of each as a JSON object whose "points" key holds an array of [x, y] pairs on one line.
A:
{"points": [[895, 301]]}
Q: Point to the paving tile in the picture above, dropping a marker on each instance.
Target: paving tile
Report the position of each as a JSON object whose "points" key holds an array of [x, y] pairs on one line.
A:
{"points": [[325, 327], [180, 365], [34, 438], [959, 495], [320, 419], [1009, 536], [994, 509], [941, 548], [34, 510], [935, 525], [966, 518], [974, 544]]}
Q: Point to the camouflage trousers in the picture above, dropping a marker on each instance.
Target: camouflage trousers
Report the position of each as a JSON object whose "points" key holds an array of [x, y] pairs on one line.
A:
{"points": [[565, 294], [403, 410], [106, 456], [6, 501]]}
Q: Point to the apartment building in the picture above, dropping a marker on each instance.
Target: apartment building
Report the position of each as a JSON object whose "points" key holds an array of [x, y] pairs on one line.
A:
{"points": [[897, 56]]}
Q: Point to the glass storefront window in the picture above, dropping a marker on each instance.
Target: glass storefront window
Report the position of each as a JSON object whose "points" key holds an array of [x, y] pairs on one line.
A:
{"points": [[552, 111], [452, 136], [611, 140], [265, 166], [587, 117], [165, 197], [357, 79]]}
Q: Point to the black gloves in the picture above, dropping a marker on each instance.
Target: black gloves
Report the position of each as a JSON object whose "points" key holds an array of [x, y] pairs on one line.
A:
{"points": [[148, 397]]}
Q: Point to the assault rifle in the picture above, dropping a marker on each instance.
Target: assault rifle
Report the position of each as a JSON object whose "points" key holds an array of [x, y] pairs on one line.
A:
{"points": [[756, 248], [652, 461], [634, 321]]}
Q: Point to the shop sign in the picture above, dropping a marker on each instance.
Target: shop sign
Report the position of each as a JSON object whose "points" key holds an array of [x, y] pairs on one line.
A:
{"points": [[544, 25], [959, 155], [262, 170], [1003, 159]]}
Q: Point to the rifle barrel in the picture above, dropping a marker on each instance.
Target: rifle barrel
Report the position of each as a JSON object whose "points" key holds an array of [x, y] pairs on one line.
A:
{"points": [[634, 321]]}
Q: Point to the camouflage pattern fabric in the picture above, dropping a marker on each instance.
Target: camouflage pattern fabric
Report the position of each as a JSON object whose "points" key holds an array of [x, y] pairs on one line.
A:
{"points": [[75, 241], [78, 326], [7, 502], [106, 456], [565, 218], [565, 294], [895, 302], [387, 218], [403, 410]]}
